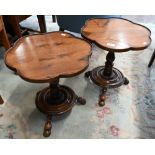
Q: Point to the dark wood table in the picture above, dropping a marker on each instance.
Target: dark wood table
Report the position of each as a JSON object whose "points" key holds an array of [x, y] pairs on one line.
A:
{"points": [[114, 35], [45, 58]]}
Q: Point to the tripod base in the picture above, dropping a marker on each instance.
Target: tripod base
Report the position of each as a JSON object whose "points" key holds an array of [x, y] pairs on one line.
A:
{"points": [[56, 106], [115, 80]]}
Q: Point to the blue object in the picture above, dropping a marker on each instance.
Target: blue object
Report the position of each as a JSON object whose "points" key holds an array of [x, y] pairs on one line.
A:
{"points": [[74, 23]]}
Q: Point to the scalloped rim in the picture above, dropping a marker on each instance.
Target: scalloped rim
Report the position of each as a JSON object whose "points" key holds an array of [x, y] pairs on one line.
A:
{"points": [[116, 50], [51, 79]]}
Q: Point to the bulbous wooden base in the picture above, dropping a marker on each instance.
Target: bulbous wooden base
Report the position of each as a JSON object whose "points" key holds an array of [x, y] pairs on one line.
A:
{"points": [[56, 105], [115, 80]]}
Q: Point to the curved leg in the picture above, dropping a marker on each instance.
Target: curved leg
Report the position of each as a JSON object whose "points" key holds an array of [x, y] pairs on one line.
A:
{"points": [[126, 81], [80, 100], [102, 97], [87, 74], [48, 126]]}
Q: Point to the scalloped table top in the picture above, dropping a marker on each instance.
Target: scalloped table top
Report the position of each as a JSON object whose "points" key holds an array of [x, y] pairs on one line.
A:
{"points": [[44, 57], [116, 34]]}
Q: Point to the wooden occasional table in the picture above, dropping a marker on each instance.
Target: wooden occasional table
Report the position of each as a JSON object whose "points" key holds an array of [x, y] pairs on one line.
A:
{"points": [[114, 35], [45, 58]]}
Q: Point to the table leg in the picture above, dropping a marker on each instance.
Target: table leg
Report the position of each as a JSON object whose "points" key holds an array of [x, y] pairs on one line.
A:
{"points": [[80, 100], [102, 97], [48, 126], [42, 23], [126, 81]]}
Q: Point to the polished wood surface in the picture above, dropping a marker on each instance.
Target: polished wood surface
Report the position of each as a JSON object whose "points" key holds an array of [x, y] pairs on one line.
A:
{"points": [[3, 34], [44, 57], [116, 34]]}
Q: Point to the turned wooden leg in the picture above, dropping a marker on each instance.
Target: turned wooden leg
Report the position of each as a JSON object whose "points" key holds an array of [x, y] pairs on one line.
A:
{"points": [[54, 90], [80, 100], [87, 74], [126, 81], [107, 73], [42, 23], [109, 64], [48, 126], [102, 97]]}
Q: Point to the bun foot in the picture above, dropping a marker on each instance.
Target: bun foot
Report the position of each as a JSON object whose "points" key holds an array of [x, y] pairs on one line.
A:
{"points": [[81, 100], [102, 97], [46, 133], [47, 127], [126, 81], [102, 101], [87, 74]]}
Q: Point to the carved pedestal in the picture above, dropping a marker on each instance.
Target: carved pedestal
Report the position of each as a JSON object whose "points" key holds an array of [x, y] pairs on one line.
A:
{"points": [[56, 100], [106, 77]]}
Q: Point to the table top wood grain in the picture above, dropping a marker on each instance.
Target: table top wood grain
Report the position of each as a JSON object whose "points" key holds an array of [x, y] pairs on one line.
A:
{"points": [[116, 34], [45, 57]]}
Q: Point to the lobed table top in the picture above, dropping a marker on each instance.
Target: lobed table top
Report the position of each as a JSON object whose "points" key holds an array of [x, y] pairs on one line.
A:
{"points": [[116, 34], [44, 57]]}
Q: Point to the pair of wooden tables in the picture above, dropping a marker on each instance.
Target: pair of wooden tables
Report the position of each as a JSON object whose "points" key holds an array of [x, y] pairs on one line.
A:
{"points": [[45, 58]]}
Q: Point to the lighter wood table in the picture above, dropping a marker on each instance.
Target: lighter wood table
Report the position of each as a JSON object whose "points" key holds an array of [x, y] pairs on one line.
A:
{"points": [[114, 35], [45, 59]]}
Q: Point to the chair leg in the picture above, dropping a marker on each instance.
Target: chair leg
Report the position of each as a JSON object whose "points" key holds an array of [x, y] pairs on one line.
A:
{"points": [[3, 34], [4, 39], [15, 25], [42, 23], [54, 18], [61, 29], [152, 59]]}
